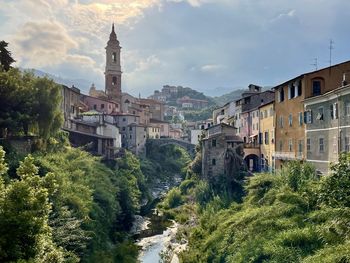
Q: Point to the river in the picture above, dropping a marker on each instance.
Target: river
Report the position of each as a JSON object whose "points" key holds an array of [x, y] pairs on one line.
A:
{"points": [[155, 234]]}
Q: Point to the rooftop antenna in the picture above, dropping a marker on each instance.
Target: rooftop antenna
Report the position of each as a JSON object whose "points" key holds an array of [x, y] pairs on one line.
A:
{"points": [[331, 47], [315, 64]]}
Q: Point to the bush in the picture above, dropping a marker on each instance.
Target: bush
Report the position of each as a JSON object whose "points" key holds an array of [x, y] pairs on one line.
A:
{"points": [[173, 198]]}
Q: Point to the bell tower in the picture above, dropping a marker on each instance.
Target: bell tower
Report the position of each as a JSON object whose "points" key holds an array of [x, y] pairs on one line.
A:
{"points": [[113, 71]]}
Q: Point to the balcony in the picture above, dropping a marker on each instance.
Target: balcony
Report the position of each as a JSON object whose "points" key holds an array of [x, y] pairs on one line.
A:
{"points": [[289, 155], [252, 145]]}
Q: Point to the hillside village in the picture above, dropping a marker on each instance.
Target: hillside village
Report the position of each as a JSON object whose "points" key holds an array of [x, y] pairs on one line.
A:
{"points": [[304, 118]]}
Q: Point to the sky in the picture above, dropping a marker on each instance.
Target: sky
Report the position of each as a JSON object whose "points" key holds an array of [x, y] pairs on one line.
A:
{"points": [[213, 46]]}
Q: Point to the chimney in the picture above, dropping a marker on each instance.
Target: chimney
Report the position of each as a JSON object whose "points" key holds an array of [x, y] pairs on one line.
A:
{"points": [[344, 82]]}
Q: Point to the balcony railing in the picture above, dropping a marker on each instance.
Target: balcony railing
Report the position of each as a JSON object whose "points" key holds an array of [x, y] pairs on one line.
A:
{"points": [[251, 145], [289, 155]]}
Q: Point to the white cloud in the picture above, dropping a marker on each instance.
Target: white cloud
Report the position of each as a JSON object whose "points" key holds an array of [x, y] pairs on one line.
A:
{"points": [[211, 68], [289, 14], [44, 43]]}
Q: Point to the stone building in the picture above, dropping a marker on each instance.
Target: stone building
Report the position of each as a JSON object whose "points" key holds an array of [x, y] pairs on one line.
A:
{"points": [[214, 145], [96, 133], [327, 127], [100, 104], [113, 73], [70, 104], [136, 137], [290, 141]]}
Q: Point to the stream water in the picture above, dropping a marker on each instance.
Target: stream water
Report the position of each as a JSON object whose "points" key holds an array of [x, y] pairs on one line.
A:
{"points": [[154, 231]]}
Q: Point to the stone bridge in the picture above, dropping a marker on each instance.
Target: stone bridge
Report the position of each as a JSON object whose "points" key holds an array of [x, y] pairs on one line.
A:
{"points": [[189, 147]]}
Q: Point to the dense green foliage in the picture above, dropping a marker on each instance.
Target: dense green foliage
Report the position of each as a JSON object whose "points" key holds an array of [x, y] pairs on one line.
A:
{"points": [[69, 206], [292, 216], [163, 162], [203, 114], [29, 105]]}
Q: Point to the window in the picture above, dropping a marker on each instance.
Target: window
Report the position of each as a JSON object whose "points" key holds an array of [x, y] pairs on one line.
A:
{"points": [[334, 111], [291, 91], [124, 120], [300, 146], [265, 113], [347, 109], [130, 136], [102, 106], [321, 145], [114, 57], [290, 119], [347, 144], [308, 144], [260, 138], [281, 95], [320, 114], [213, 143], [290, 145], [316, 88], [271, 112], [267, 137], [300, 118], [213, 161], [308, 116], [95, 107], [123, 128], [280, 146], [114, 81], [130, 128], [299, 89], [281, 121]]}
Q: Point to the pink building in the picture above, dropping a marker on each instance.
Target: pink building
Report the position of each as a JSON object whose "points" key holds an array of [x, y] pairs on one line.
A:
{"points": [[100, 105]]}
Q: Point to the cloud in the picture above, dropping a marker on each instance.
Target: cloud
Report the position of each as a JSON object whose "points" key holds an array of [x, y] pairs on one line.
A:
{"points": [[289, 14], [43, 43], [211, 68]]}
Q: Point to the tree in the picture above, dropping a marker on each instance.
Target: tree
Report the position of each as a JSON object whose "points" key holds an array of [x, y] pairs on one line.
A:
{"points": [[29, 104], [24, 209], [5, 56]]}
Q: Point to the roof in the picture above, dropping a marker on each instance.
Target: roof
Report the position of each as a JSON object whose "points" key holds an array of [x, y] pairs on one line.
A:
{"points": [[158, 121], [106, 100], [220, 124], [308, 73], [88, 134]]}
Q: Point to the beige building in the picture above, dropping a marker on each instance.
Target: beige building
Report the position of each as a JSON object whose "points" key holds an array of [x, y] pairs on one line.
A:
{"points": [[267, 136]]}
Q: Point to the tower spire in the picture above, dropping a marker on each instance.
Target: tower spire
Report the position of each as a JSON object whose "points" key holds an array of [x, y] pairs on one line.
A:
{"points": [[113, 35]]}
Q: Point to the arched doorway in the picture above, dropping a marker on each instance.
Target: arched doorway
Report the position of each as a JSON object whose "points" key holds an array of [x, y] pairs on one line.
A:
{"points": [[252, 161]]}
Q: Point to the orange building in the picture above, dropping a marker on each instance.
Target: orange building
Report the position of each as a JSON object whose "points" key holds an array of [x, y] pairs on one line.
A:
{"points": [[289, 107]]}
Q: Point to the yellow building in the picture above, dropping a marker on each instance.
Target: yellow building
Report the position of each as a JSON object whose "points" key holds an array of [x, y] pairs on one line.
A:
{"points": [[153, 131], [267, 136]]}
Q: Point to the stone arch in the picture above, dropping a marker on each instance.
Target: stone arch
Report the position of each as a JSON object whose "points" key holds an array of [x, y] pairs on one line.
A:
{"points": [[252, 162]]}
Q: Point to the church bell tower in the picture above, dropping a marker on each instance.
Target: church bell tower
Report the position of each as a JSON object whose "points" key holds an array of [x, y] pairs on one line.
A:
{"points": [[113, 71]]}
